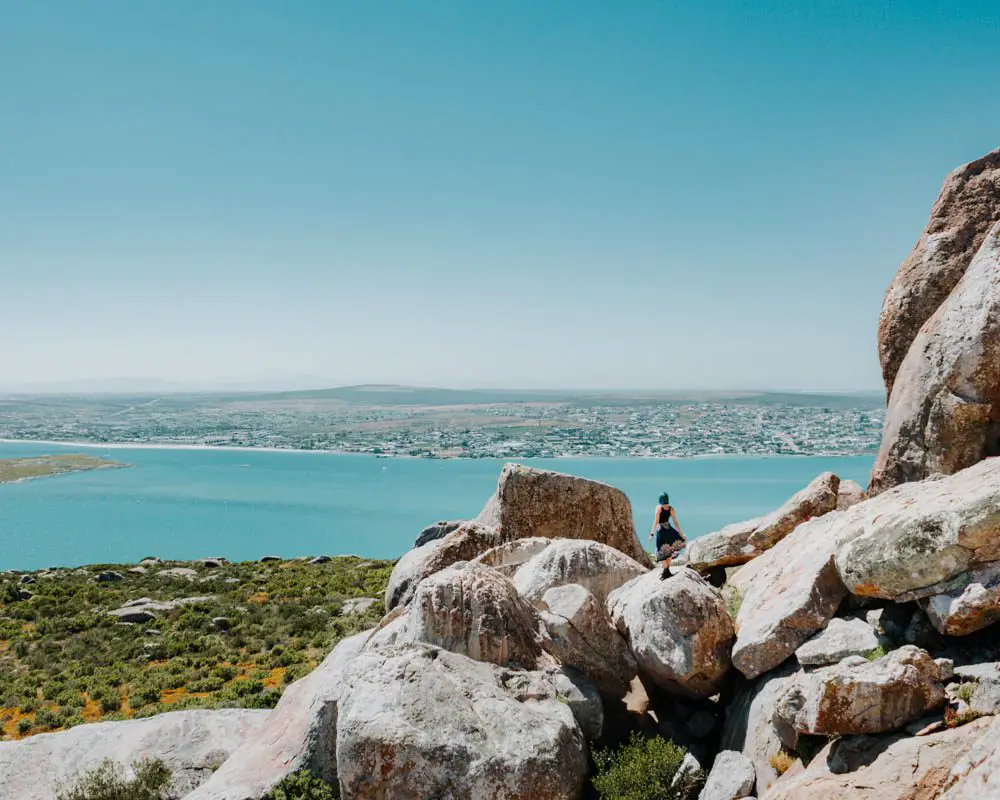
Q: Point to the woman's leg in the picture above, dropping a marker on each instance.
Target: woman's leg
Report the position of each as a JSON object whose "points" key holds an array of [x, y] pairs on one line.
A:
{"points": [[666, 568]]}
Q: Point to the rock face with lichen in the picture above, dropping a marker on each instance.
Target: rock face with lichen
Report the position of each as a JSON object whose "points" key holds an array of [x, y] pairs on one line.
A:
{"points": [[966, 208]]}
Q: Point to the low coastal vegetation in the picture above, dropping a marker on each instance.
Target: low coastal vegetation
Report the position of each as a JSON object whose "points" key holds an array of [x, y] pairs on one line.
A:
{"points": [[207, 634], [23, 469], [150, 780], [644, 769]]}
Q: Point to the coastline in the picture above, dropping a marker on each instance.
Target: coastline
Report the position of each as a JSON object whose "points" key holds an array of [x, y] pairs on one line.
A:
{"points": [[239, 449]]}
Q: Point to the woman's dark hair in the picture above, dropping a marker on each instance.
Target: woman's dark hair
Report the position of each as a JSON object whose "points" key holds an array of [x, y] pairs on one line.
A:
{"points": [[664, 499]]}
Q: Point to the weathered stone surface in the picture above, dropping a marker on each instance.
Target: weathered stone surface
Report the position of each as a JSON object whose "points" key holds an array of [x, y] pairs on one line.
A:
{"points": [[509, 556], [191, 743], [944, 411], [904, 542], [582, 636], [966, 209], [744, 541], [358, 605], [732, 777], [749, 725], [437, 531], [145, 610], [178, 572], [463, 544], [678, 630], [300, 733], [969, 608], [533, 502], [474, 610], [859, 696], [790, 592], [896, 767], [850, 494], [597, 567], [422, 722], [841, 638], [975, 775]]}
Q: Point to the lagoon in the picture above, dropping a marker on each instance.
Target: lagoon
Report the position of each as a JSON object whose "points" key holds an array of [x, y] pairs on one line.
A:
{"points": [[244, 504]]}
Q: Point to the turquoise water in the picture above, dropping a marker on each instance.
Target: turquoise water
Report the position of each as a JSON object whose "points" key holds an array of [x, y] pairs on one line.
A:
{"points": [[182, 504]]}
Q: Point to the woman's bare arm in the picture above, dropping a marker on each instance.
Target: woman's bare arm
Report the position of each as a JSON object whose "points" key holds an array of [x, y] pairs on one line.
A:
{"points": [[673, 516], [656, 522]]}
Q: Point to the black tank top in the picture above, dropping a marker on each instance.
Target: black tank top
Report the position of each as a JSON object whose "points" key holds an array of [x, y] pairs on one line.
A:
{"points": [[664, 516]]}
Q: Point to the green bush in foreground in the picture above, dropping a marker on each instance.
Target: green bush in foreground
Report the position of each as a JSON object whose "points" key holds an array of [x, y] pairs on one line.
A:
{"points": [[642, 769], [107, 781], [302, 786]]}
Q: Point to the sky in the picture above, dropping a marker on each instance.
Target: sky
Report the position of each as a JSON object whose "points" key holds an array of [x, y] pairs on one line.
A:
{"points": [[578, 194]]}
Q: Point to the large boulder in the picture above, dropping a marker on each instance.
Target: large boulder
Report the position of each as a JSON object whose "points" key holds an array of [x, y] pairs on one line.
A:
{"points": [[838, 640], [788, 594], [897, 767], [464, 543], [731, 778], [678, 630], [944, 410], [966, 208], [582, 636], [749, 726], [190, 743], [850, 494], [744, 541], [970, 606], [421, 722], [904, 543], [534, 502], [595, 566], [858, 696], [300, 733], [474, 610]]}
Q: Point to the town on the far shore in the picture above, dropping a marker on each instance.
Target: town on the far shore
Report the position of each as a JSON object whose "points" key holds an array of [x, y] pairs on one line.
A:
{"points": [[428, 425]]}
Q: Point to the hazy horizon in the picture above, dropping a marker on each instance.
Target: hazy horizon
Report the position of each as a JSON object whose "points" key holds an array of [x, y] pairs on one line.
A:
{"points": [[559, 195]]}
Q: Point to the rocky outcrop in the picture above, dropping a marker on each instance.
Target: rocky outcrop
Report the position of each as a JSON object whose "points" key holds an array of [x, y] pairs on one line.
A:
{"points": [[582, 636], [533, 502], [145, 610], [970, 606], [966, 208], [749, 725], [841, 638], [300, 733], [850, 494], [895, 767], [678, 629], [858, 696], [463, 544], [743, 541], [906, 542], [191, 744], [597, 567], [474, 610], [731, 778], [437, 531], [790, 593], [944, 411], [421, 722]]}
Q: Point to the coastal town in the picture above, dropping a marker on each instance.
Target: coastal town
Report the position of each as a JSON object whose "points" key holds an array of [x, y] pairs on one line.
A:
{"points": [[608, 426]]}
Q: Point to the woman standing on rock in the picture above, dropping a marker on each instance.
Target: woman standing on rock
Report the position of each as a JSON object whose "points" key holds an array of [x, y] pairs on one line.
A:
{"points": [[669, 539]]}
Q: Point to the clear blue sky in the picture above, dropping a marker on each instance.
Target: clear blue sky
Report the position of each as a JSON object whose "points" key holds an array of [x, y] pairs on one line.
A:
{"points": [[565, 194]]}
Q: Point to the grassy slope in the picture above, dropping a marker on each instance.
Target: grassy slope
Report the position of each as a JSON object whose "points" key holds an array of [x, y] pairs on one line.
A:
{"points": [[64, 661], [19, 469]]}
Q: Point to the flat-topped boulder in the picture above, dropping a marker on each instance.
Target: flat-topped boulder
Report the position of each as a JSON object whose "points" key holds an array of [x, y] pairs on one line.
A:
{"points": [[905, 542], [598, 567], [966, 208], [838, 640], [859, 696], [465, 543], [533, 502], [743, 541], [190, 743], [941, 416], [421, 722], [678, 630]]}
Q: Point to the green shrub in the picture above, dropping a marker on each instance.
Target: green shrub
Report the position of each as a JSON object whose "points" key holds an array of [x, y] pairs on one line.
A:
{"points": [[642, 769], [301, 786], [24, 725], [107, 781]]}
